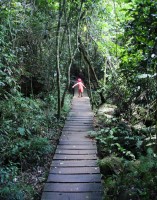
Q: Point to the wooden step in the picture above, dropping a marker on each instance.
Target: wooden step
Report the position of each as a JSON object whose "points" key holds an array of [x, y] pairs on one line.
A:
{"points": [[76, 152], [73, 187], [72, 196], [74, 157], [74, 178], [74, 172], [74, 163]]}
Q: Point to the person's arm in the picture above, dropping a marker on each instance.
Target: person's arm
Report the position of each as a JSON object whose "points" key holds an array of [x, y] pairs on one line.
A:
{"points": [[83, 85], [74, 85]]}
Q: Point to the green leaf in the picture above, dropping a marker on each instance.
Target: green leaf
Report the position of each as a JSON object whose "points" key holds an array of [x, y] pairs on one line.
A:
{"points": [[21, 130]]}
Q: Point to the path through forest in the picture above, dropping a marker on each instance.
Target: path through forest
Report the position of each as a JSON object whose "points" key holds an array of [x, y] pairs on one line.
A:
{"points": [[74, 174]]}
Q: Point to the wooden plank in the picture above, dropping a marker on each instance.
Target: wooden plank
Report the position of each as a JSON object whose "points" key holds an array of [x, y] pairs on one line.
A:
{"points": [[76, 106], [76, 130], [88, 121], [82, 107], [69, 118], [78, 126], [77, 123], [74, 170], [81, 120], [83, 116], [80, 117], [79, 112], [68, 134], [76, 146], [75, 137], [74, 142], [76, 152], [71, 196], [76, 116], [80, 139], [76, 111], [72, 187], [74, 163], [85, 178], [74, 133], [74, 157]]}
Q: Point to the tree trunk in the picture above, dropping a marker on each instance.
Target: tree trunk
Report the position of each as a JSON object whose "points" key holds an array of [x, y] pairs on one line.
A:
{"points": [[72, 55], [87, 59], [90, 89], [58, 60]]}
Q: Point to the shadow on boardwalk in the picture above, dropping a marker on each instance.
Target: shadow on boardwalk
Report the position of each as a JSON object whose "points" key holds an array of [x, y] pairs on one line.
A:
{"points": [[74, 174]]}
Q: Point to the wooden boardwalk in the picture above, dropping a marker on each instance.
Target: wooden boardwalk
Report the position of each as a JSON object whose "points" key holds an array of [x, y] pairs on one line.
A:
{"points": [[74, 174]]}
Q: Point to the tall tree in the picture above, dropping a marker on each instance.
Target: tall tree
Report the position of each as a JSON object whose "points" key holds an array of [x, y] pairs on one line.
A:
{"points": [[60, 13]]}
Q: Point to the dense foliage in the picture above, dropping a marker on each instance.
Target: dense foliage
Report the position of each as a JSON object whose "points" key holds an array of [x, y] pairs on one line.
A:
{"points": [[127, 141], [29, 128], [112, 46]]}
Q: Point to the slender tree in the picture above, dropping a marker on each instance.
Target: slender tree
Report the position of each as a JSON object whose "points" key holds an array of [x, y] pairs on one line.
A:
{"points": [[60, 13]]}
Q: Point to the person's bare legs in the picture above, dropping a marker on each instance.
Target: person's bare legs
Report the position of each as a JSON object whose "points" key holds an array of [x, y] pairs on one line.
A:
{"points": [[79, 94]]}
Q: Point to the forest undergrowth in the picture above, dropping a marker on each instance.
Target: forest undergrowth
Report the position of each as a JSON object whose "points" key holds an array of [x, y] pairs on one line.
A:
{"points": [[29, 134], [127, 158]]}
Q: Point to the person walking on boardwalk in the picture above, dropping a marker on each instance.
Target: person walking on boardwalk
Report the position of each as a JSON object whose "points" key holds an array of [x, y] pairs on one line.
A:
{"points": [[80, 87]]}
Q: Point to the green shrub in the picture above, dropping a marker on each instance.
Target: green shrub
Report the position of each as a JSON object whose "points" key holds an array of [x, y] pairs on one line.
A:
{"points": [[10, 187], [118, 138], [110, 165], [16, 191], [137, 180], [21, 150]]}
